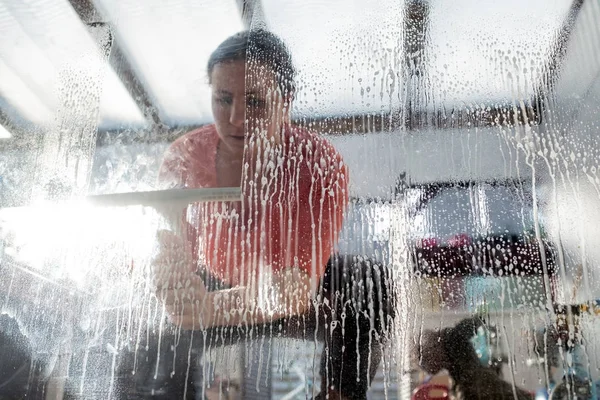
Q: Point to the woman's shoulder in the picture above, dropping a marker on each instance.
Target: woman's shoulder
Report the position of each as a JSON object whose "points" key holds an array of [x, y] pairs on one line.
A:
{"points": [[198, 140], [319, 154], [189, 159], [313, 144]]}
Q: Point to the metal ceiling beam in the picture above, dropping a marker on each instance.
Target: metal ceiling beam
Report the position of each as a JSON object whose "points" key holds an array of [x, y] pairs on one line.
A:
{"points": [[118, 60], [412, 117], [559, 49], [555, 60], [441, 118], [415, 27], [252, 13], [413, 114]]}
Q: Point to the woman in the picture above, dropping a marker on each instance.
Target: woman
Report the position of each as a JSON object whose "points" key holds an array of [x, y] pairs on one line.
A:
{"points": [[294, 189], [258, 262]]}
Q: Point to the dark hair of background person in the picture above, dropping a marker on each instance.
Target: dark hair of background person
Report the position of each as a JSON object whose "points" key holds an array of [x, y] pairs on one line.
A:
{"points": [[451, 349]]}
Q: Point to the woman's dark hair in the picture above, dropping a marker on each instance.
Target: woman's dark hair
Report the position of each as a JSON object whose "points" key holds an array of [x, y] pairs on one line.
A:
{"points": [[258, 46]]}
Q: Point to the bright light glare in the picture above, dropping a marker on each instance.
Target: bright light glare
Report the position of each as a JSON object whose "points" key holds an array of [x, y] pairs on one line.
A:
{"points": [[4, 134], [88, 246]]}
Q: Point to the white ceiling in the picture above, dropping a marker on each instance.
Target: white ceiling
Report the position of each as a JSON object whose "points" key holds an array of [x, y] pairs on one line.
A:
{"points": [[45, 52], [169, 43], [476, 51], [349, 54]]}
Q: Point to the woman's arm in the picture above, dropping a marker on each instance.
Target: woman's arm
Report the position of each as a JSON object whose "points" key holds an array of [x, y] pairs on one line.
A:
{"points": [[317, 225], [193, 307]]}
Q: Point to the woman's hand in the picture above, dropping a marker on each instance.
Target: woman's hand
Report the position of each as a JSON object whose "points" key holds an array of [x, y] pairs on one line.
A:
{"points": [[177, 285], [191, 306]]}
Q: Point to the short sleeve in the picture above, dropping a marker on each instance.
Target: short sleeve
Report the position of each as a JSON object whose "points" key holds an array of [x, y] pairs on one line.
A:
{"points": [[174, 167]]}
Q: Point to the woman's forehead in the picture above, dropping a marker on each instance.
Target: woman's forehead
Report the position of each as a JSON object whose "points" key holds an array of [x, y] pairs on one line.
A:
{"points": [[239, 75]]}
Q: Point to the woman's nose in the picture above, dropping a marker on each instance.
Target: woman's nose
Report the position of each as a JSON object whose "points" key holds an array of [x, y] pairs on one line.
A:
{"points": [[238, 114]]}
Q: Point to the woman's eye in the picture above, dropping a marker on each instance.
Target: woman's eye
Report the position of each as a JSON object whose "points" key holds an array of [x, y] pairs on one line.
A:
{"points": [[255, 102], [225, 100]]}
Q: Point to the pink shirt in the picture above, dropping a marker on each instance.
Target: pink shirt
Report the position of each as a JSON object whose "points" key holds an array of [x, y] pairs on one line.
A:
{"points": [[290, 216]]}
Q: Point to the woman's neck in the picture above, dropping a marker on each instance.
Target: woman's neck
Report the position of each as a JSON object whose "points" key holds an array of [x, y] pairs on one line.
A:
{"points": [[226, 153], [228, 166]]}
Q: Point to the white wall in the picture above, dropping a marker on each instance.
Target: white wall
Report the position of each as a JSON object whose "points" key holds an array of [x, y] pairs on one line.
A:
{"points": [[571, 178], [376, 160]]}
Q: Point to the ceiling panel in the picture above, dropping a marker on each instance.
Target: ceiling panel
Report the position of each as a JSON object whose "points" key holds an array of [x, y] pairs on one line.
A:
{"points": [[168, 43], [45, 45], [349, 52], [490, 51]]}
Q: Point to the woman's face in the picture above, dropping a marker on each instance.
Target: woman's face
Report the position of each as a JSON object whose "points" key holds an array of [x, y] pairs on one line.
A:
{"points": [[246, 104]]}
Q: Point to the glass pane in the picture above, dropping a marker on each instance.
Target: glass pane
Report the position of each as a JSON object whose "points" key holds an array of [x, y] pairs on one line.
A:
{"points": [[299, 199]]}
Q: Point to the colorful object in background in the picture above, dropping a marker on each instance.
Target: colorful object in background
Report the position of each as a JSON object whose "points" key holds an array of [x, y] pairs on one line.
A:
{"points": [[592, 307], [429, 243], [430, 391], [482, 342], [484, 294], [570, 355], [460, 240], [488, 348]]}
